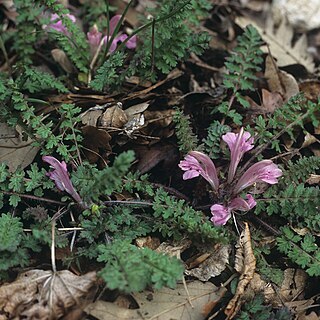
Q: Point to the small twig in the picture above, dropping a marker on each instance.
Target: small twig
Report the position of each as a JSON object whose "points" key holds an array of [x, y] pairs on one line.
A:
{"points": [[28, 196], [53, 251]]}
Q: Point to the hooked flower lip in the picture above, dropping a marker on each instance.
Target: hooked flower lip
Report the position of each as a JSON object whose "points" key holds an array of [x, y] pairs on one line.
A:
{"points": [[264, 170], [60, 176], [221, 214], [197, 163]]}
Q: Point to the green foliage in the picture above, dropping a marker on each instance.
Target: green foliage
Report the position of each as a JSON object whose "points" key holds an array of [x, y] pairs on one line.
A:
{"points": [[74, 44], [175, 219], [109, 76], [242, 66], [255, 309], [26, 30], [36, 81], [187, 140], [130, 269], [212, 142], [173, 38], [284, 119], [301, 250], [11, 236], [103, 182]]}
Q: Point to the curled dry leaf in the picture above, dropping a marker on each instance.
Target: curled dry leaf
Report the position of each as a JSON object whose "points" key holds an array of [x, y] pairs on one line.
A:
{"points": [[213, 265], [47, 294], [14, 150], [246, 265], [280, 43], [280, 81], [114, 117]]}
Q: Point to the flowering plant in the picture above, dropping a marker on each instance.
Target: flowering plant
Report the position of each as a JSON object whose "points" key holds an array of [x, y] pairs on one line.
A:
{"points": [[61, 178], [197, 163]]}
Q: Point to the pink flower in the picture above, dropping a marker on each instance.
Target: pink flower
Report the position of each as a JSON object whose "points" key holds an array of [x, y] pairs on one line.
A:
{"points": [[264, 170], [58, 25], [221, 214], [94, 38], [60, 177], [197, 163], [238, 144]]}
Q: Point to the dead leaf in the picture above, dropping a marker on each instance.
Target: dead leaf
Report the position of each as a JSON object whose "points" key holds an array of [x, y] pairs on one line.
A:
{"points": [[114, 117], [302, 14], [280, 43], [14, 151], [270, 102], [96, 143], [173, 304], [163, 304], [280, 81], [313, 179], [311, 89], [148, 242], [213, 265], [175, 249], [62, 59], [246, 264], [39, 294]]}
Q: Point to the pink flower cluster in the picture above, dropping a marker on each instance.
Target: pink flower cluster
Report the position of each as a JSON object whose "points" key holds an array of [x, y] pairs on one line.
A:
{"points": [[198, 164], [61, 177], [94, 36]]}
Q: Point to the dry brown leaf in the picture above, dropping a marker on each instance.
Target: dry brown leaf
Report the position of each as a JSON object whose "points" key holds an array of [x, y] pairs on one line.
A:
{"points": [[47, 294], [163, 304], [280, 81], [270, 102], [302, 14], [213, 265], [311, 89], [62, 59], [14, 151], [247, 266], [313, 179], [148, 242], [280, 43], [174, 304], [114, 117], [175, 249], [96, 143]]}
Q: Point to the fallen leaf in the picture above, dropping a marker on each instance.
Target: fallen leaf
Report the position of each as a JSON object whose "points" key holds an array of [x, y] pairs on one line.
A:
{"points": [[164, 304], [270, 102], [14, 151], [174, 304], [280, 81], [302, 14], [311, 89], [39, 294], [148, 242], [62, 59], [313, 179], [280, 43], [245, 264], [213, 265], [96, 143], [114, 117]]}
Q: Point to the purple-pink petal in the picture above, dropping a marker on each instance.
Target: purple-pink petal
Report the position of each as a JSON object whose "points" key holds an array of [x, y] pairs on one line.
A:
{"points": [[238, 144], [57, 24], [113, 24], [61, 177], [209, 171], [264, 170], [94, 37], [241, 204], [220, 214]]}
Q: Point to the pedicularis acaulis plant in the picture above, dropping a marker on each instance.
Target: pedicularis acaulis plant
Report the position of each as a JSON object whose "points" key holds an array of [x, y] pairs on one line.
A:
{"points": [[197, 163]]}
